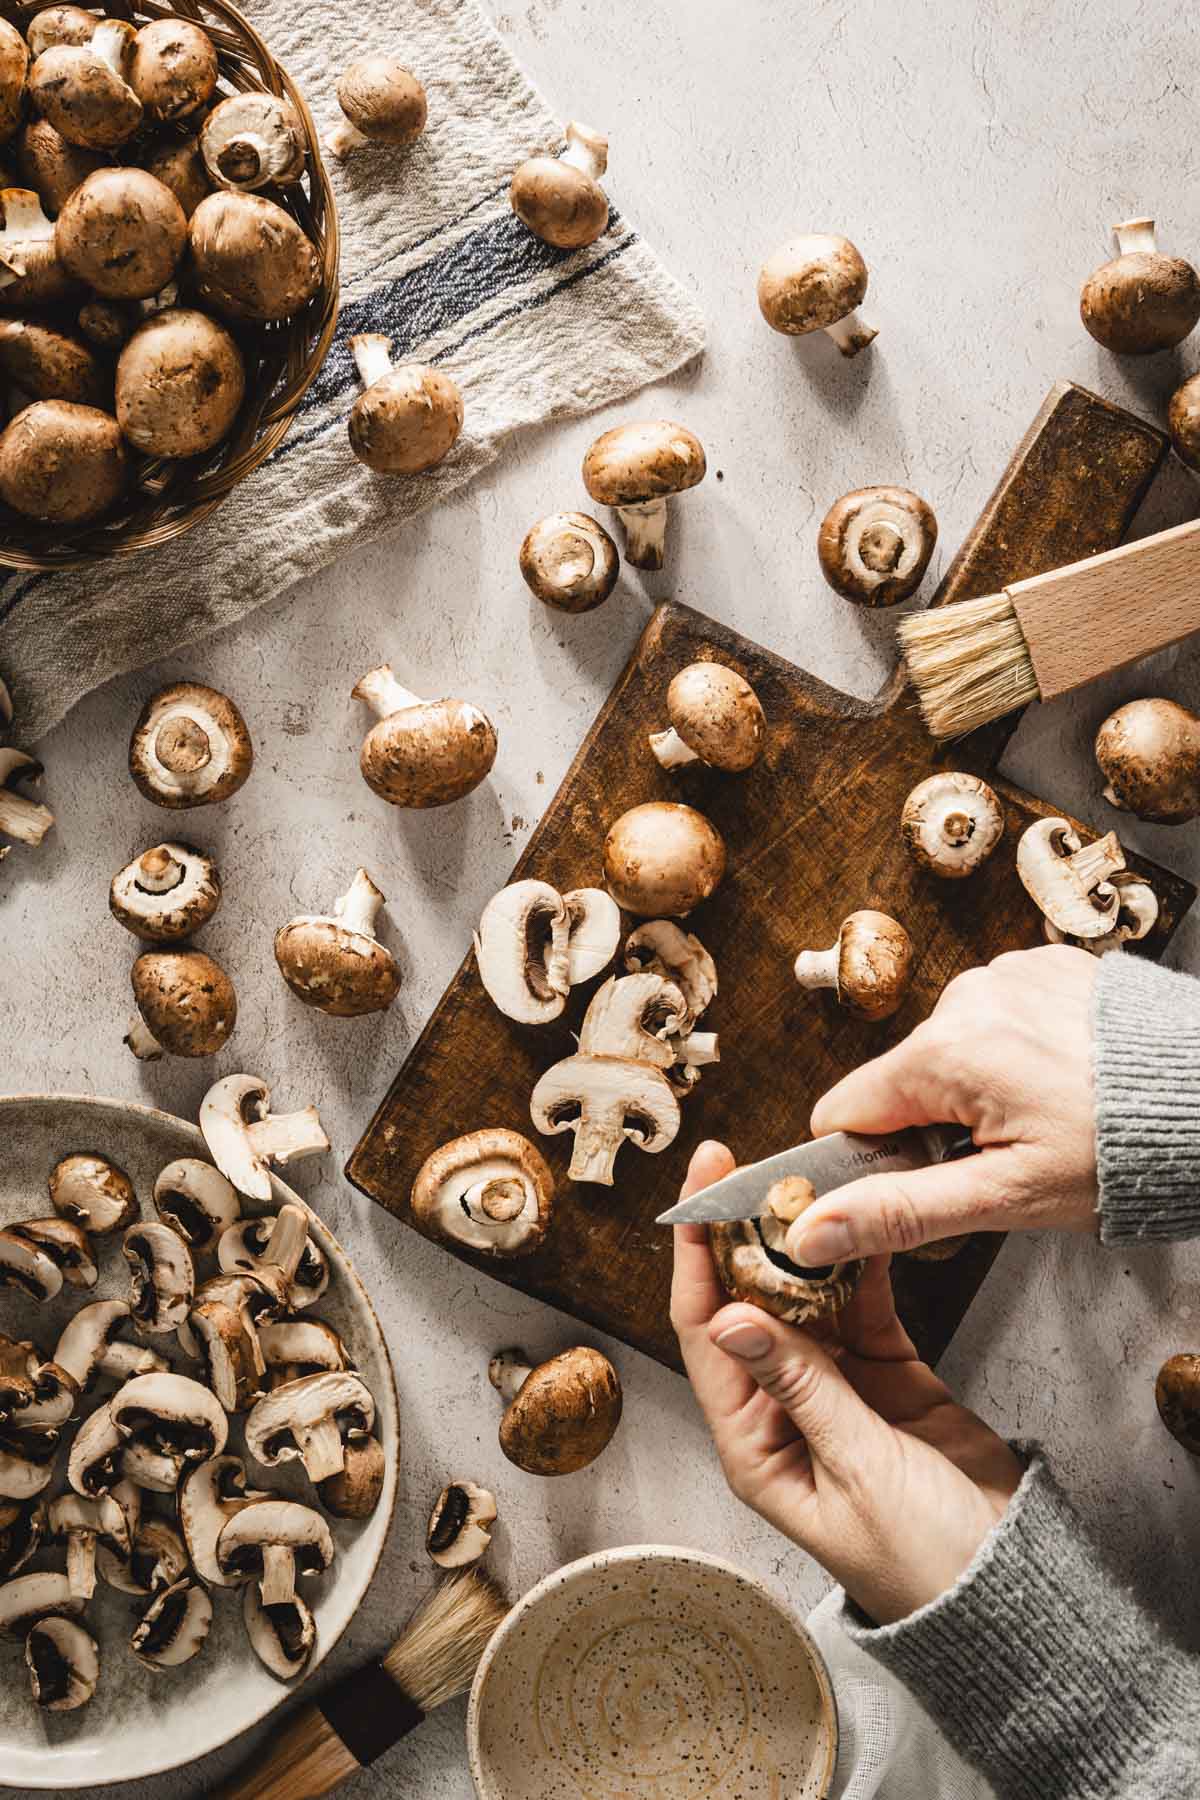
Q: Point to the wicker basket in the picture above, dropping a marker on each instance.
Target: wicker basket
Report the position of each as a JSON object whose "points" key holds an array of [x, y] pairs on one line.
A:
{"points": [[167, 498]]}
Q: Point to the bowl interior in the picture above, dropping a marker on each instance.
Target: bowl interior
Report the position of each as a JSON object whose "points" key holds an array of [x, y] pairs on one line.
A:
{"points": [[651, 1673]]}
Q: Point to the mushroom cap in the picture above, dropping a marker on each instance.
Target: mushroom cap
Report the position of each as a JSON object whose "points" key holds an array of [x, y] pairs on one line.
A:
{"points": [[343, 973], [875, 543], [355, 1491], [14, 66], [282, 1637], [457, 1534], [29, 1597], [179, 165], [429, 754], [218, 769], [63, 1662], [122, 232], [951, 822], [60, 25], [649, 460], [172, 69], [519, 1176], [267, 1522], [197, 1201], [1177, 1396], [49, 364], [83, 97], [753, 1265], [180, 383], [383, 99], [717, 714], [1141, 302], [66, 1244], [250, 259], [162, 1275], [1183, 421], [1149, 752], [164, 917], [811, 282], [251, 139], [407, 421], [186, 999], [570, 562], [92, 1192], [62, 462], [662, 858], [51, 166], [564, 1415], [875, 958], [174, 1625], [560, 204]]}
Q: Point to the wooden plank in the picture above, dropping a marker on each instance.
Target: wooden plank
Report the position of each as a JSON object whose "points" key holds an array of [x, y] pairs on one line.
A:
{"points": [[812, 834]]}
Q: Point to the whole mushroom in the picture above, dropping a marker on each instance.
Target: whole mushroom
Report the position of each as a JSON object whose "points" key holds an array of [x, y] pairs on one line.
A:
{"points": [[716, 719], [422, 753], [951, 823], [122, 232], [570, 562], [190, 747], [561, 1414], [1141, 301], [382, 102], [752, 1261], [49, 364], [869, 967], [250, 259], [63, 463], [559, 198], [59, 25], [407, 419], [637, 469], [32, 273], [334, 961], [490, 1190], [186, 1005], [84, 89], [166, 893], [178, 164], [180, 384], [51, 166], [251, 140], [172, 69], [814, 283], [14, 68], [1177, 1396], [662, 859], [875, 544], [1149, 754]]}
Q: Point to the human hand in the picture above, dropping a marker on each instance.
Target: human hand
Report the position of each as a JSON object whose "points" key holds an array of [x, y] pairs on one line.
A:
{"points": [[851, 1447], [1006, 1052]]}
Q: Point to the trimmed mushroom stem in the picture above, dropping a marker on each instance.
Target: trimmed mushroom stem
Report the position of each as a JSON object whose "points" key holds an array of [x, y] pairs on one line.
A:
{"points": [[1096, 862], [697, 1049], [182, 745], [372, 357], [851, 334], [501, 1199], [23, 820], [344, 138], [586, 150], [81, 1564], [278, 1584], [289, 1235], [379, 687], [508, 1372], [109, 41], [818, 968], [1134, 235], [281, 1136], [358, 906], [158, 871], [322, 1451], [243, 157], [670, 749], [645, 533], [142, 1041]]}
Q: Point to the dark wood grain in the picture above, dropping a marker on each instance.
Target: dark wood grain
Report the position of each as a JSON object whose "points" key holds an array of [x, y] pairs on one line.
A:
{"points": [[812, 835]]}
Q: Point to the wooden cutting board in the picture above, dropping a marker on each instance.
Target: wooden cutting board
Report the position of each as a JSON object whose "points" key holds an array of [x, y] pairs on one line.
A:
{"points": [[812, 834]]}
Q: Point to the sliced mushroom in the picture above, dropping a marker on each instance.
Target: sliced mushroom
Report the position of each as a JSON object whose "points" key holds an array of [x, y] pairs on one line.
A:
{"points": [[254, 140], [18, 1362], [637, 469], [84, 90], [308, 1420], [282, 1636], [174, 1626], [190, 747], [171, 1417], [951, 823], [295, 1347], [275, 1541], [422, 752], [180, 384], [209, 1496], [278, 1241], [51, 166], [458, 1532], [81, 1522], [661, 947], [1149, 754], [89, 1346], [570, 562], [157, 1470], [634, 1017], [157, 1560], [716, 719], [490, 1190], [559, 198], [43, 1594], [662, 858], [94, 1465], [408, 416], [65, 1243], [355, 1491], [521, 951], [605, 1102], [55, 1396], [24, 820], [1068, 880], [92, 1192], [197, 1201], [28, 1268], [815, 283], [228, 1345], [123, 233], [186, 1005], [63, 1662], [257, 1299], [22, 1523], [173, 69], [334, 961], [560, 1415], [869, 967], [382, 102], [1137, 915], [1141, 301], [250, 259], [162, 1277], [26, 1463], [62, 463], [875, 544]]}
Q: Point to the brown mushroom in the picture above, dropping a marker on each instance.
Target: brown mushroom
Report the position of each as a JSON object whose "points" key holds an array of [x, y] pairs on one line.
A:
{"points": [[951, 823], [662, 859], [83, 89], [490, 1190], [186, 1003], [1149, 753], [51, 166], [123, 233], [334, 961], [49, 364], [107, 323], [382, 103], [422, 752], [14, 68], [1183, 421], [166, 894], [62, 462], [60, 25], [254, 139], [875, 544], [637, 469], [716, 719], [31, 271], [814, 283], [570, 562], [1141, 301], [93, 1193], [559, 198], [178, 164], [1177, 1396], [22, 818], [407, 419], [560, 1415], [752, 1261], [355, 1491], [250, 259], [190, 747], [869, 967], [180, 384], [172, 69]]}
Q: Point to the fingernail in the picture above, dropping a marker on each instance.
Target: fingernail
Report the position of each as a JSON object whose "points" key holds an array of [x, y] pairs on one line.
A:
{"points": [[747, 1341], [816, 1246]]}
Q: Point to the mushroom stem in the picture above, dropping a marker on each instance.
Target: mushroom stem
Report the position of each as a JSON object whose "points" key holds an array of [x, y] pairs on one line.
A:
{"points": [[322, 1451], [1096, 862], [1134, 235], [586, 150], [243, 157], [645, 533], [698, 1049], [289, 1235], [278, 1584], [850, 334], [281, 1136], [81, 1564], [158, 871], [110, 42], [344, 138], [372, 356], [358, 906], [818, 968], [24, 820], [182, 745], [501, 1199], [508, 1372], [142, 1041], [1108, 792], [957, 826], [670, 749], [382, 692]]}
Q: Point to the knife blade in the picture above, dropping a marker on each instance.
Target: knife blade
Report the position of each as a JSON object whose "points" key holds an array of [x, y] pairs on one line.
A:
{"points": [[828, 1162]]}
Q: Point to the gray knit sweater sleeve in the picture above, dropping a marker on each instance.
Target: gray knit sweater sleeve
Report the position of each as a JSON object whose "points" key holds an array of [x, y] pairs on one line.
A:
{"points": [[1043, 1672], [1146, 1064]]}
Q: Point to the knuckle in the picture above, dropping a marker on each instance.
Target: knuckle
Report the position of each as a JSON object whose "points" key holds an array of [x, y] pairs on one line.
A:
{"points": [[900, 1221], [795, 1385]]}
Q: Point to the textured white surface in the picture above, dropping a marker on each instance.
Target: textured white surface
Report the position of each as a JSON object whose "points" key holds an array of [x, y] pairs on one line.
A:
{"points": [[977, 157]]}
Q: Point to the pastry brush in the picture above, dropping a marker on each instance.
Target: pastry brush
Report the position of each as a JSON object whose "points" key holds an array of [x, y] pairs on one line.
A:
{"points": [[975, 660], [433, 1660]]}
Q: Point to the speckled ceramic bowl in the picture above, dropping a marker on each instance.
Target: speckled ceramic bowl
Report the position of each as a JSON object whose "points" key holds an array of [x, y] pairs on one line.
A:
{"points": [[651, 1673], [142, 1720]]}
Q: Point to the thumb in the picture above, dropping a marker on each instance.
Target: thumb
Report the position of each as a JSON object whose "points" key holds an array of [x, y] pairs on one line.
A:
{"points": [[802, 1378], [899, 1211]]}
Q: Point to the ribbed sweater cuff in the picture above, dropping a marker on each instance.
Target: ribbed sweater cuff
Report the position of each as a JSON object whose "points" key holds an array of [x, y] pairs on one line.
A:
{"points": [[1146, 1066], [1038, 1668]]}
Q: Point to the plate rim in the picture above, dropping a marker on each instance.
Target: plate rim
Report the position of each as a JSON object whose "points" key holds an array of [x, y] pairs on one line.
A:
{"points": [[390, 1403]]}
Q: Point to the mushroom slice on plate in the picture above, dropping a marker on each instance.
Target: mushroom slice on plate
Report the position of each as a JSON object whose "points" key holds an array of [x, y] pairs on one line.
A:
{"points": [[294, 1347], [209, 1496], [18, 1364], [1068, 880], [197, 1201], [22, 1523], [65, 1243], [334, 961], [27, 1268], [26, 1463], [662, 858], [560, 1415], [278, 1241], [170, 1416], [521, 951], [244, 1137], [174, 1626], [815, 283], [752, 1261], [637, 469], [559, 198], [382, 102], [24, 820], [355, 1491], [255, 1298], [162, 1277], [158, 1558], [458, 1525], [409, 415], [869, 967], [63, 1662], [228, 1346], [421, 753], [190, 747], [274, 1541], [93, 1466], [308, 1420], [605, 1101], [253, 140], [29, 1597], [81, 1522], [716, 719], [89, 1346], [282, 1636], [490, 1190], [93, 1192], [660, 947], [569, 562], [165, 894], [951, 823], [55, 1397]]}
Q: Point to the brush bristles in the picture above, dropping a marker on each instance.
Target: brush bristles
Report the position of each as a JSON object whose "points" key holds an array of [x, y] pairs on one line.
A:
{"points": [[969, 664], [438, 1652]]}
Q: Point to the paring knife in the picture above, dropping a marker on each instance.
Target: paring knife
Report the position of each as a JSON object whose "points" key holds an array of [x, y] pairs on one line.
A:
{"points": [[828, 1162]]}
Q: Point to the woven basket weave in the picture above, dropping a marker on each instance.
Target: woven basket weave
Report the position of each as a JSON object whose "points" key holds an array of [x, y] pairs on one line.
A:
{"points": [[165, 498]]}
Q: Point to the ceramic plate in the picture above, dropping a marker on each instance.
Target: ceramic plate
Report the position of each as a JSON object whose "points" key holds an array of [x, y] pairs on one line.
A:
{"points": [[142, 1720], [652, 1673]]}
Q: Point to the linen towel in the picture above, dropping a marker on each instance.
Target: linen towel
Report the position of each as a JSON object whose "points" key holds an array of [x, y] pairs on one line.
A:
{"points": [[433, 256]]}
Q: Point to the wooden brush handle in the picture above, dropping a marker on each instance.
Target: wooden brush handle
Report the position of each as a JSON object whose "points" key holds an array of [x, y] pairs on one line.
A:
{"points": [[303, 1759], [1092, 617]]}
